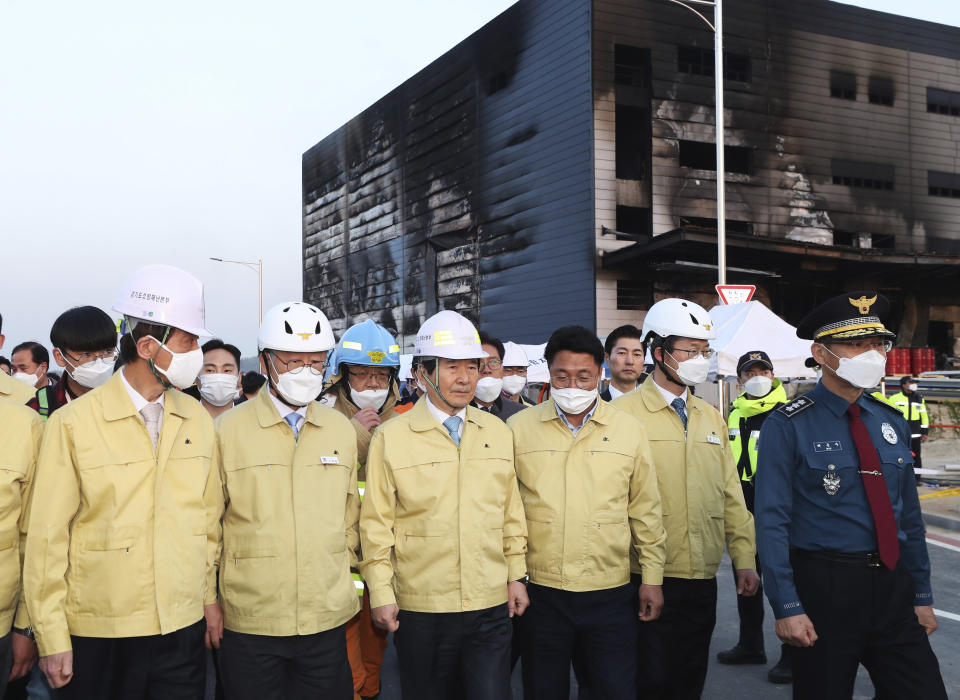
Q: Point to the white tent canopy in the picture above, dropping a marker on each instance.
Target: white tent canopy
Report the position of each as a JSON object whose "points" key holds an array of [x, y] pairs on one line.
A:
{"points": [[751, 326]]}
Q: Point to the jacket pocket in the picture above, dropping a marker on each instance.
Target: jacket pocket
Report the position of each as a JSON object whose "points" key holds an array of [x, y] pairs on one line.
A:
{"points": [[111, 572], [248, 577], [427, 556], [609, 542]]}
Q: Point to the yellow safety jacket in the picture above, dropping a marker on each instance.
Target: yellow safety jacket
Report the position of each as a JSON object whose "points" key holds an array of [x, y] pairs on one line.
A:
{"points": [[15, 390], [700, 492], [290, 524], [914, 411], [588, 499], [442, 527], [123, 540], [745, 420], [20, 433]]}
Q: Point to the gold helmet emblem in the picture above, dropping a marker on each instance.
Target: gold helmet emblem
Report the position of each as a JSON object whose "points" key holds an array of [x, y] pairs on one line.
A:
{"points": [[305, 336], [376, 356], [863, 304]]}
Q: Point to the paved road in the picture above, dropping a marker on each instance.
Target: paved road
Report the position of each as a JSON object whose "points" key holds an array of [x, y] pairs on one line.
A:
{"points": [[750, 682]]}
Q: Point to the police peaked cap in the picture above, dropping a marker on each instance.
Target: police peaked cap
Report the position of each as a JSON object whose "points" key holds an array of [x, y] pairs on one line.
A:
{"points": [[859, 314]]}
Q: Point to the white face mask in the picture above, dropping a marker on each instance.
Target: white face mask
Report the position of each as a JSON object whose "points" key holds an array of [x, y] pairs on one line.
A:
{"points": [[758, 386], [183, 368], [301, 388], [513, 384], [574, 400], [368, 398], [90, 374], [488, 389], [30, 379], [219, 389], [911, 388], [692, 372], [864, 371]]}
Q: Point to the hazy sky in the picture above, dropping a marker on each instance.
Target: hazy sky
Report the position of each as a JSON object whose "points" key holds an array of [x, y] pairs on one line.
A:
{"points": [[173, 132]]}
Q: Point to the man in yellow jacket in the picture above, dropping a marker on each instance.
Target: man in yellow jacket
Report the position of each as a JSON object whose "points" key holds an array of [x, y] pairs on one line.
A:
{"points": [[10, 388], [442, 527], [288, 466], [124, 528], [701, 499], [361, 384], [20, 433], [589, 491]]}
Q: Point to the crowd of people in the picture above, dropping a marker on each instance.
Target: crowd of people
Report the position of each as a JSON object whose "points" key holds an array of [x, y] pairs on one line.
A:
{"points": [[166, 518]]}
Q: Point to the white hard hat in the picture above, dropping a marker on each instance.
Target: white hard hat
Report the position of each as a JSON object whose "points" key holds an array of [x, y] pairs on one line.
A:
{"points": [[678, 317], [513, 355], [448, 335], [295, 327], [165, 295]]}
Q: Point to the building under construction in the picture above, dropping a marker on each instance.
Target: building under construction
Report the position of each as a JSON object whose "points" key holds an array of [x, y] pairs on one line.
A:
{"points": [[558, 166]]}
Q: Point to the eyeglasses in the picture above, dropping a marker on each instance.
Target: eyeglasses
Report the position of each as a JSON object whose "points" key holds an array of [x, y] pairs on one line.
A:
{"points": [[491, 364], [296, 366], [520, 371], [866, 344], [690, 354], [82, 358], [363, 376], [563, 381]]}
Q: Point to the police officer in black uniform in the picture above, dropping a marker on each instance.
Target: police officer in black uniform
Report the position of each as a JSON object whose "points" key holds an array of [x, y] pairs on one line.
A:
{"points": [[839, 527]]}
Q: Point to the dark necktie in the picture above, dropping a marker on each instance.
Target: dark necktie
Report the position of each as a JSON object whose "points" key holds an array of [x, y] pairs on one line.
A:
{"points": [[681, 408], [876, 487]]}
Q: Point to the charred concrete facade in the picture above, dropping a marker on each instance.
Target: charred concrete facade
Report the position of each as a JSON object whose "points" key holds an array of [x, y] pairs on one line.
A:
{"points": [[557, 167]]}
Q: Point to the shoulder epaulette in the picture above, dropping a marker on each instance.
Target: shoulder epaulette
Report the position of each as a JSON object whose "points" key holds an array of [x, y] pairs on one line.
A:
{"points": [[792, 408], [883, 402]]}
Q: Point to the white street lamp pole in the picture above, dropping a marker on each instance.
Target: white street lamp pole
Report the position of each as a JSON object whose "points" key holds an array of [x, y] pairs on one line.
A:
{"points": [[717, 27], [258, 268]]}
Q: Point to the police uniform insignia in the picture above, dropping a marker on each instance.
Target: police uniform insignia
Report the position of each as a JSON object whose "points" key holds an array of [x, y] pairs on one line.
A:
{"points": [[889, 434], [794, 407], [831, 483], [863, 304]]}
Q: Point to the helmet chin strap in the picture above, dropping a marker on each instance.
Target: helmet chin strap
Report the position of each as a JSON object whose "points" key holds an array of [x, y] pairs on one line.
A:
{"points": [[273, 385], [436, 383], [666, 369], [153, 365]]}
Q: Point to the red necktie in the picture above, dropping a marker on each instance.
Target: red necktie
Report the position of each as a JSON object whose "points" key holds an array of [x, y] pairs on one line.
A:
{"points": [[876, 487]]}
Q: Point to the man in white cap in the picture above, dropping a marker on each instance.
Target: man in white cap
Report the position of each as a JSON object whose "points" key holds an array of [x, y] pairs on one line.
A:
{"points": [[515, 365], [702, 501], [124, 529], [442, 527], [289, 471]]}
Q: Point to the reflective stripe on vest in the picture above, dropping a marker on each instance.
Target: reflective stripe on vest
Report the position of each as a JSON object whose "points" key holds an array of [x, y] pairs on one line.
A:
{"points": [[43, 405]]}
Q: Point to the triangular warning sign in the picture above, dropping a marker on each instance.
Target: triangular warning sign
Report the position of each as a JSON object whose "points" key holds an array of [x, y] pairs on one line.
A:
{"points": [[736, 293]]}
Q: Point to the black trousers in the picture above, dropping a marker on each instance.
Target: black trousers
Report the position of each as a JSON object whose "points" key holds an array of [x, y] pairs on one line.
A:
{"points": [[454, 656], [260, 667], [6, 660], [158, 667], [673, 651], [750, 607], [598, 627], [862, 615]]}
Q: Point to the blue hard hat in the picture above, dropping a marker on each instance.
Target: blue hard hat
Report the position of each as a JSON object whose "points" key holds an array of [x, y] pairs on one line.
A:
{"points": [[366, 343]]}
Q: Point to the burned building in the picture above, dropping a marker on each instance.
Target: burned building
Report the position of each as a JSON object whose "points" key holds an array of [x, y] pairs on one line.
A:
{"points": [[558, 167]]}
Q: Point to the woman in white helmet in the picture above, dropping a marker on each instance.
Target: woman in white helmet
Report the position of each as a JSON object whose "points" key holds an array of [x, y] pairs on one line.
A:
{"points": [[124, 528], [703, 506], [289, 471], [442, 527]]}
